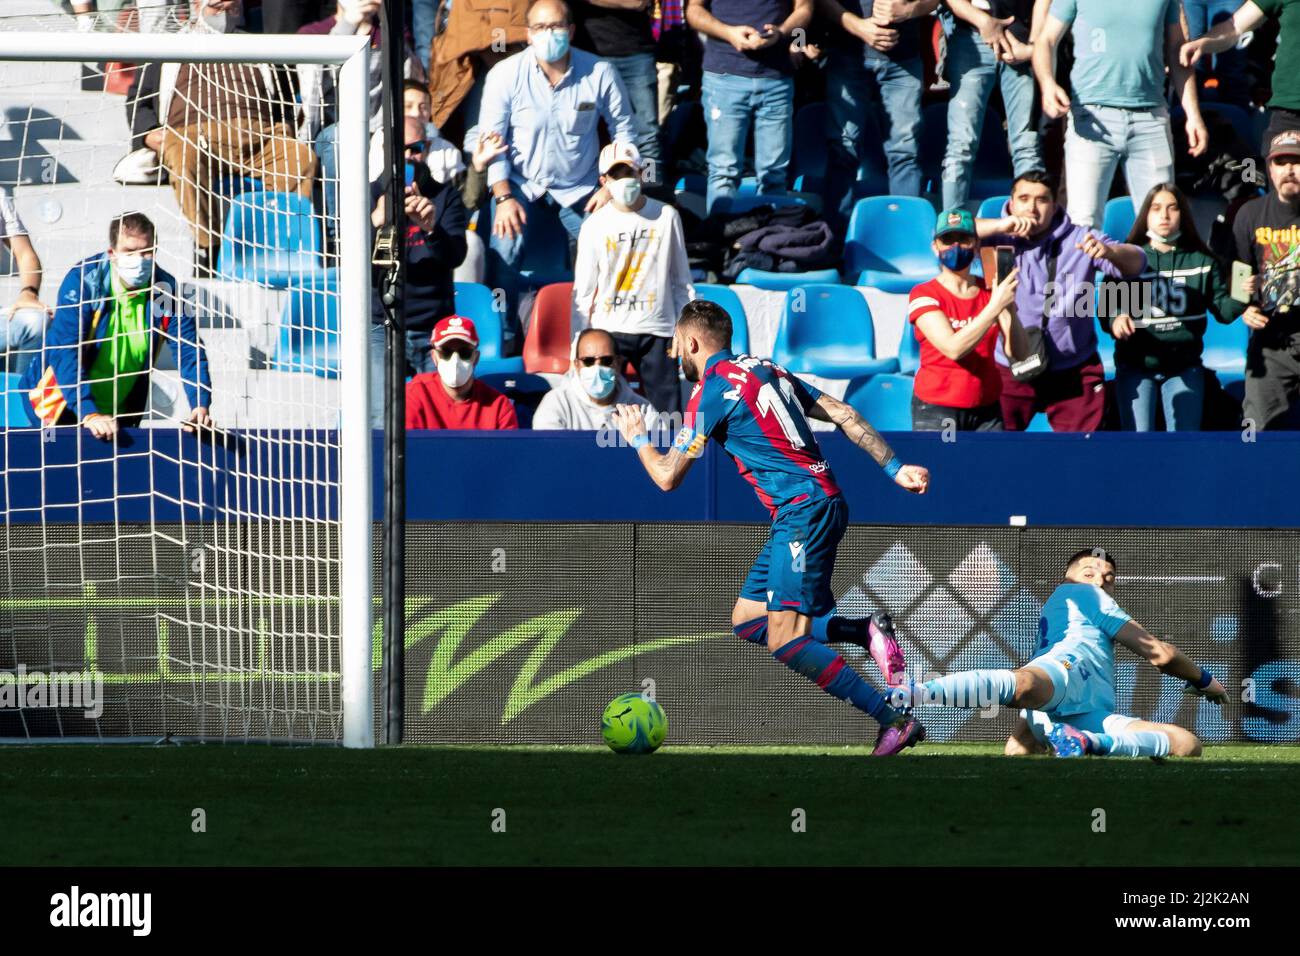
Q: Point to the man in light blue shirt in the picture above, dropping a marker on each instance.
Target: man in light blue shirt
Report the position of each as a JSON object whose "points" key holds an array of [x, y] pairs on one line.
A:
{"points": [[545, 102], [1118, 111], [1067, 691]]}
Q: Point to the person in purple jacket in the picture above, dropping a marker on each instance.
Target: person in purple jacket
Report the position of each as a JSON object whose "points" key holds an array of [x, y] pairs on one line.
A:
{"points": [[1059, 262]]}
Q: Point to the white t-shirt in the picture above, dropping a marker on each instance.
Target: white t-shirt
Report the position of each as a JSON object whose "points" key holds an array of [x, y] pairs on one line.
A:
{"points": [[568, 407], [10, 224], [632, 274]]}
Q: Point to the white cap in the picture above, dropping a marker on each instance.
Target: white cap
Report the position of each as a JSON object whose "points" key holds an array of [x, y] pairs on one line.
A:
{"points": [[615, 153]]}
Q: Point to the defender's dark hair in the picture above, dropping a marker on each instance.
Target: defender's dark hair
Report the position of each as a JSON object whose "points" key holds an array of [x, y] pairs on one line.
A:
{"points": [[133, 222], [1092, 553], [1040, 176], [707, 319]]}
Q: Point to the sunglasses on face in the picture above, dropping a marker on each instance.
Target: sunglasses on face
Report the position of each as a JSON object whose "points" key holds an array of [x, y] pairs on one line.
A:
{"points": [[464, 351], [548, 26], [590, 360], [955, 240]]}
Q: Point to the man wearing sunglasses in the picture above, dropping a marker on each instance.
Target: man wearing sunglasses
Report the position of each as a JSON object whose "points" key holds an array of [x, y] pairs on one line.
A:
{"points": [[452, 397], [586, 399]]}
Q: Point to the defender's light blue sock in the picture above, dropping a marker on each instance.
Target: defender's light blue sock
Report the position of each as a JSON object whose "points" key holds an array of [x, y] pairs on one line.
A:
{"points": [[819, 663], [968, 689], [1135, 743]]}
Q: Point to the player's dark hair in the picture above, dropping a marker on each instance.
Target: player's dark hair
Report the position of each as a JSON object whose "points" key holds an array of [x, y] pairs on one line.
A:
{"points": [[708, 320], [136, 223], [1040, 176], [416, 86], [1091, 553]]}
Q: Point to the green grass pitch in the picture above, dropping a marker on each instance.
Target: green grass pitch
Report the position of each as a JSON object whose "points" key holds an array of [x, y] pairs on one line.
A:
{"points": [[953, 804]]}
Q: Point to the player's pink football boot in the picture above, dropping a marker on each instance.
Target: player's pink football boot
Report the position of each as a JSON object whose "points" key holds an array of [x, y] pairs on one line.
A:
{"points": [[1067, 741], [898, 736], [884, 649]]}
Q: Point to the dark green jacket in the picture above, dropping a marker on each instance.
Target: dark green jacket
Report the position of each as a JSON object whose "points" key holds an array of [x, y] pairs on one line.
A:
{"points": [[1169, 309]]}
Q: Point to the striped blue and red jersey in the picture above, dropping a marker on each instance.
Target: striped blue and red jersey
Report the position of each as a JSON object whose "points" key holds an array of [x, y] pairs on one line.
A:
{"points": [[757, 412]]}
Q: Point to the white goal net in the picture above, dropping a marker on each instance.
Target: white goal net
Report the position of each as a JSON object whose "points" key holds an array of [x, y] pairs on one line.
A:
{"points": [[185, 442]]}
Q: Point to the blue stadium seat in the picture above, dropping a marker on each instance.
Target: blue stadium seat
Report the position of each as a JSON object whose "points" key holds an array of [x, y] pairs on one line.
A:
{"points": [[1118, 218], [730, 205], [726, 297], [1225, 347], [270, 238], [699, 184], [525, 392], [909, 349], [1246, 125], [309, 328], [13, 402], [1039, 423], [475, 301], [785, 281], [1105, 347], [991, 208], [888, 243], [827, 330], [883, 400]]}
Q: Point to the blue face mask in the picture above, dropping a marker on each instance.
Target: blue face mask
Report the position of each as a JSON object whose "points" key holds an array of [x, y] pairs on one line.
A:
{"points": [[551, 45], [956, 258], [598, 380]]}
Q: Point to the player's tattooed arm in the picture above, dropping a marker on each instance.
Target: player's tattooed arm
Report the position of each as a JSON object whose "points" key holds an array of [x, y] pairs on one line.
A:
{"points": [[1167, 659], [858, 430], [665, 470]]}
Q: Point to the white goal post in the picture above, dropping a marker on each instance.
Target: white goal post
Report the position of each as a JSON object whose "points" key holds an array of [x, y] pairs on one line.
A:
{"points": [[351, 56]]}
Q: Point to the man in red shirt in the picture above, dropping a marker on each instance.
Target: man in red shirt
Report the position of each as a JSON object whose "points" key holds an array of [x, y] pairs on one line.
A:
{"points": [[451, 397], [957, 322]]}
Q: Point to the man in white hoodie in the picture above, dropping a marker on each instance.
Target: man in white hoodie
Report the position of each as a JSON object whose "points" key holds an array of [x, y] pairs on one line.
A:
{"points": [[586, 398], [632, 277]]}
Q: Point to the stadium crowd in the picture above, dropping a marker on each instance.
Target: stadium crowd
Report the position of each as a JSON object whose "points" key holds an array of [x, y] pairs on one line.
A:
{"points": [[678, 145]]}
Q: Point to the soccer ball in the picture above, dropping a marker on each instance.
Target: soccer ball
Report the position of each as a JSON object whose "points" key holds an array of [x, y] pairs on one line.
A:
{"points": [[632, 724]]}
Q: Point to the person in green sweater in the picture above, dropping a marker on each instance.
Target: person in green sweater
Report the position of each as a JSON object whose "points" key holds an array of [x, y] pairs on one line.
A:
{"points": [[1158, 340]]}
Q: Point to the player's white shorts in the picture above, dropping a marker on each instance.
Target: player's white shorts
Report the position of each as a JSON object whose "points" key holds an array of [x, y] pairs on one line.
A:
{"points": [[1095, 722]]}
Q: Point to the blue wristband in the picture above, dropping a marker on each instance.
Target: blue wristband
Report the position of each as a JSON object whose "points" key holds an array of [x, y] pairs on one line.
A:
{"points": [[892, 467], [639, 441], [1205, 680]]}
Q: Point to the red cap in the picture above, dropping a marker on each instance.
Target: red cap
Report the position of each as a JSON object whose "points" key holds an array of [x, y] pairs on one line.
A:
{"points": [[454, 327]]}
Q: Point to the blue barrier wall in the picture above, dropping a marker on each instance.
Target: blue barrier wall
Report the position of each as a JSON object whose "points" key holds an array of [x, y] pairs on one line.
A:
{"points": [[1209, 479]]}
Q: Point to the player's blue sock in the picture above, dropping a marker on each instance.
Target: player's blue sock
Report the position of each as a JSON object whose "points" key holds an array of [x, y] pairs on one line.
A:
{"points": [[819, 663], [969, 689], [1100, 743], [1138, 743], [753, 630]]}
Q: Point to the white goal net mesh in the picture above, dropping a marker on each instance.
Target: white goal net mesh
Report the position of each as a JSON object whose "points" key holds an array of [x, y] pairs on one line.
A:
{"points": [[172, 457]]}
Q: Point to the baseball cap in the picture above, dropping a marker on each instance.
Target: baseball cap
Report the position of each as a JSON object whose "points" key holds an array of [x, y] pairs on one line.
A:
{"points": [[454, 327], [1285, 143], [615, 153], [954, 220]]}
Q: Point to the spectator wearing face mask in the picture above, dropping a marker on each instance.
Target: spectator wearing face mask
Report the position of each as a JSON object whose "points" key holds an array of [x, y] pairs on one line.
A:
{"points": [[116, 311], [435, 246], [632, 277], [585, 400], [452, 397]]}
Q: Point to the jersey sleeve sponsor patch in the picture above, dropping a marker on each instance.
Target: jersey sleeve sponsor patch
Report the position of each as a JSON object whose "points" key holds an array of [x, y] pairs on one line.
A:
{"points": [[690, 442]]}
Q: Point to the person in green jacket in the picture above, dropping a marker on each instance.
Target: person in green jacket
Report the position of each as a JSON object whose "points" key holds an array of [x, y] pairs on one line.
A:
{"points": [[1159, 327]]}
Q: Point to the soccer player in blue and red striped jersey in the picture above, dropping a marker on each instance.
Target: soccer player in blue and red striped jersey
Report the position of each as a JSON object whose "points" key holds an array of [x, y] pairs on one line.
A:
{"points": [[757, 412]]}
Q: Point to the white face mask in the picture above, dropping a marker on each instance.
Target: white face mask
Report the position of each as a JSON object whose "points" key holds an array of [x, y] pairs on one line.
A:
{"points": [[219, 22], [134, 270], [455, 371], [1156, 237], [598, 380], [625, 191]]}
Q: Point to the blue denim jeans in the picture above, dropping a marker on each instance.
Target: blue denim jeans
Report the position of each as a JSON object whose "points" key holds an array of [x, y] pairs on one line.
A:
{"points": [[423, 13], [326, 147], [507, 258], [641, 83], [1183, 397], [419, 360], [21, 332], [731, 103], [1096, 139], [858, 91], [973, 71]]}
